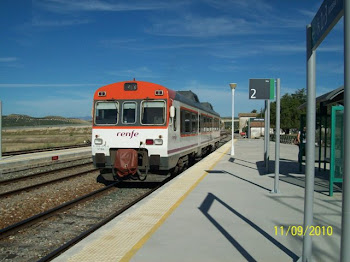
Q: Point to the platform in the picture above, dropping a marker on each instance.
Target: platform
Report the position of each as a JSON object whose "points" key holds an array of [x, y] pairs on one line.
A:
{"points": [[32, 159], [221, 209]]}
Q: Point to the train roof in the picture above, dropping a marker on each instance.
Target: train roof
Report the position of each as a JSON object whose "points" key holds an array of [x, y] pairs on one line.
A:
{"points": [[192, 99], [187, 97]]}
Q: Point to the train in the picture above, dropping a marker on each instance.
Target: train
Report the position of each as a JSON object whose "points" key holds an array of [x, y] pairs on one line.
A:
{"points": [[141, 127]]}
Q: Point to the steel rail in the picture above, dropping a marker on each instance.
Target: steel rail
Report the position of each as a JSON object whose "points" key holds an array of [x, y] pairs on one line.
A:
{"points": [[30, 151], [33, 219], [8, 193]]}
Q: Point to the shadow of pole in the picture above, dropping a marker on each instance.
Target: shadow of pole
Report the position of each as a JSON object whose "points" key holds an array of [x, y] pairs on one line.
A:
{"points": [[204, 208]]}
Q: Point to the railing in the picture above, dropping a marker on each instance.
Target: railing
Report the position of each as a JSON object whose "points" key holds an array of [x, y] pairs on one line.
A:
{"points": [[285, 139]]}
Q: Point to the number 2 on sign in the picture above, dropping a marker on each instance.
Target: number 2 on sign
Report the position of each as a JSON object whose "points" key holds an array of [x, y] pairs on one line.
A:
{"points": [[253, 94]]}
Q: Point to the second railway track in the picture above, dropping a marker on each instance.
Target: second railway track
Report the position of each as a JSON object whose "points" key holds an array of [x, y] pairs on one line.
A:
{"points": [[18, 184]]}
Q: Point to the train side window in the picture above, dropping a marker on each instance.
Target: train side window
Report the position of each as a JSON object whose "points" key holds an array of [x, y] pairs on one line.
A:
{"points": [[188, 128], [174, 120], [185, 122], [129, 113], [200, 123], [194, 123], [217, 124], [206, 124], [106, 113]]}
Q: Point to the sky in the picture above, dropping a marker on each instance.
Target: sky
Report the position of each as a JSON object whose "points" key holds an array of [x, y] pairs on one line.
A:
{"points": [[54, 54]]}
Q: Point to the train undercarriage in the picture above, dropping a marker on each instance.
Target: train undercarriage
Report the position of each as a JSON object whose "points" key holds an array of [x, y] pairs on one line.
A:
{"points": [[136, 164]]}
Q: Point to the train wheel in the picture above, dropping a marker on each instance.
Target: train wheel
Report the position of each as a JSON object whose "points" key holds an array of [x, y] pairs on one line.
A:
{"points": [[142, 177]]}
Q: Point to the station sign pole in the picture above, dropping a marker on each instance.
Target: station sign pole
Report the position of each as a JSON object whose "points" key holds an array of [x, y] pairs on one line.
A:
{"points": [[267, 137], [345, 236], [264, 89], [310, 146], [325, 19], [276, 189]]}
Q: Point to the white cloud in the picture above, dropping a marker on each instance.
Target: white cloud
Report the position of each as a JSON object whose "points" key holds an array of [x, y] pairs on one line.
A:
{"points": [[248, 6], [8, 59], [64, 6], [56, 106], [331, 48], [196, 26], [44, 85], [140, 72], [134, 44], [58, 23]]}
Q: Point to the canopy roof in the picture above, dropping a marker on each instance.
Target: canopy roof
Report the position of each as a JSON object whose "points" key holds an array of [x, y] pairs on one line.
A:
{"points": [[334, 96]]}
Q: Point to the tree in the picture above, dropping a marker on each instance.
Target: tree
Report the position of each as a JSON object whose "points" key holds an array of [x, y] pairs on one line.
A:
{"points": [[290, 112]]}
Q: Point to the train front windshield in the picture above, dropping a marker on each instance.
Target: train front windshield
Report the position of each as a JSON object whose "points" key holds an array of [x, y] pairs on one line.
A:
{"points": [[135, 113], [153, 112], [106, 113]]}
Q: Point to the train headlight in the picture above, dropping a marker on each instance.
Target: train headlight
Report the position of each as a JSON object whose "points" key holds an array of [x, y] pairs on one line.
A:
{"points": [[158, 141], [150, 142], [98, 141]]}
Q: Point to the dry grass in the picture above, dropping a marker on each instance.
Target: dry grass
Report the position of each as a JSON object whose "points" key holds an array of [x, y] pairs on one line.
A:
{"points": [[34, 138]]}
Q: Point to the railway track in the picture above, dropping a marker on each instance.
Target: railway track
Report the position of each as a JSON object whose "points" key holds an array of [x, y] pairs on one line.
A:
{"points": [[34, 181], [38, 217], [21, 152]]}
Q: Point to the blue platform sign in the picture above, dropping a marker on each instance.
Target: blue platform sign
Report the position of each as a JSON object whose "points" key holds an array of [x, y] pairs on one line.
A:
{"points": [[326, 18]]}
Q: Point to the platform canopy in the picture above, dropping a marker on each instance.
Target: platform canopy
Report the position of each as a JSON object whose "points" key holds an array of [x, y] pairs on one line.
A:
{"points": [[335, 96]]}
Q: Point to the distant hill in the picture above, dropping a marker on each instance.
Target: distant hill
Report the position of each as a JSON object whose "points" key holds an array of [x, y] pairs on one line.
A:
{"points": [[24, 120]]}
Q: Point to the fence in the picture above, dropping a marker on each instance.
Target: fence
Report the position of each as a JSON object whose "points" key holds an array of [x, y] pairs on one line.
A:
{"points": [[285, 139]]}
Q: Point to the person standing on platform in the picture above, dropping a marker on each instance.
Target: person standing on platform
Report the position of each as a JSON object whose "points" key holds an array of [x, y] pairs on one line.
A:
{"points": [[301, 139]]}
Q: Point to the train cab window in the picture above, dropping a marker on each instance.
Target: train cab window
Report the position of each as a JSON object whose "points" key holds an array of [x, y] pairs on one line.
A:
{"points": [[129, 113], [106, 113], [153, 112]]}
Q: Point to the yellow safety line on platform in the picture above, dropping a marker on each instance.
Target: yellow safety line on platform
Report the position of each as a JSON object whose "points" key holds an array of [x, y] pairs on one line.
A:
{"points": [[144, 239]]}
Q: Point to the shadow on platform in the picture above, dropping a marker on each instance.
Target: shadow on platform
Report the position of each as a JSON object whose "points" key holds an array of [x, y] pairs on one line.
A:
{"points": [[204, 208]]}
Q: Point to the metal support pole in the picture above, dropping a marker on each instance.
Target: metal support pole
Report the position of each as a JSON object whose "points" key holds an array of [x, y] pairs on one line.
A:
{"points": [[233, 123], [345, 234], [265, 134], [277, 140], [310, 146], [268, 136], [0, 130], [325, 142], [233, 87]]}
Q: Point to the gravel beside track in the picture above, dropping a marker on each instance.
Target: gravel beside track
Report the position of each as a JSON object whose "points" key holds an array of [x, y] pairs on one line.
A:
{"points": [[26, 204], [15, 172], [24, 183]]}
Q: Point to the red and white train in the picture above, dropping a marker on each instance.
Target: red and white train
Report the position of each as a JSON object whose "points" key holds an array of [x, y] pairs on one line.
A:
{"points": [[140, 127]]}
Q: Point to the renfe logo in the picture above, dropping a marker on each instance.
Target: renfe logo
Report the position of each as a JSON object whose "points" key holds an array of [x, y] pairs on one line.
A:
{"points": [[131, 134]]}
